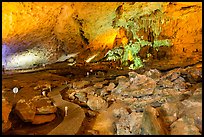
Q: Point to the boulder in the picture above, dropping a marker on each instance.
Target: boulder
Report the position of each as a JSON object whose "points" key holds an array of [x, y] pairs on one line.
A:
{"points": [[43, 105], [46, 109], [171, 111], [129, 124], [152, 123], [104, 122], [96, 103], [41, 119], [25, 110], [184, 126], [81, 96], [6, 110]]}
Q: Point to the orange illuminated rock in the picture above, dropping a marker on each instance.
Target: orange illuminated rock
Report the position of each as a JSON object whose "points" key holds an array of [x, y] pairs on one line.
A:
{"points": [[91, 28], [40, 119]]}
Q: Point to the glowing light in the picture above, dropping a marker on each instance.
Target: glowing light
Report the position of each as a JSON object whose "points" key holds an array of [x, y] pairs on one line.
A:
{"points": [[15, 90], [65, 57], [92, 57], [66, 110], [26, 59]]}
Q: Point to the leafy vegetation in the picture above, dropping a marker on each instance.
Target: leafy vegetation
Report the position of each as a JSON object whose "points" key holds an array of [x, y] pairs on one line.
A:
{"points": [[134, 22]]}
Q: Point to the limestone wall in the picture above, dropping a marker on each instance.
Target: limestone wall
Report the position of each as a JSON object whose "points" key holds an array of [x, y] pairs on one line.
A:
{"points": [[92, 27]]}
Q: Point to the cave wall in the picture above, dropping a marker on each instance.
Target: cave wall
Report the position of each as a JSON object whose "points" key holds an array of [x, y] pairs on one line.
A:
{"points": [[91, 28]]}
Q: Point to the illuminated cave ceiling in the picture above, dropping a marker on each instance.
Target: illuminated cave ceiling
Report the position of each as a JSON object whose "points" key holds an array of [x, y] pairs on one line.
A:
{"points": [[45, 32]]}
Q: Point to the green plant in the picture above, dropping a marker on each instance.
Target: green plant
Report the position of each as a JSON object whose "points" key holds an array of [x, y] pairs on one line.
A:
{"points": [[134, 22]]}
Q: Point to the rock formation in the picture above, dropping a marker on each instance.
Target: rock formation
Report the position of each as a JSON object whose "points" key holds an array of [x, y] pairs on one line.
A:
{"points": [[53, 30]]}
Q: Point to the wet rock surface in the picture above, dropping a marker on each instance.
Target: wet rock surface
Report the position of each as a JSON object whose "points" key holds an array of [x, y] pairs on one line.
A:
{"points": [[149, 102]]}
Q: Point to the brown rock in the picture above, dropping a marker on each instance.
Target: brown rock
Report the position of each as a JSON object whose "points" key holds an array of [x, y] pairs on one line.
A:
{"points": [[89, 90], [184, 126], [171, 111], [6, 126], [166, 83], [129, 124], [123, 84], [81, 96], [91, 113], [6, 109], [152, 123], [43, 105], [46, 110], [41, 119], [25, 110], [110, 87], [98, 85], [80, 84], [153, 73], [105, 119], [96, 103], [195, 74]]}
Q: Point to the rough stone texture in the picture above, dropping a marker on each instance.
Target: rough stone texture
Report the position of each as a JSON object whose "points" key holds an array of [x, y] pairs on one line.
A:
{"points": [[171, 111], [6, 126], [186, 40], [129, 124], [137, 85], [81, 96], [40, 119], [104, 123], [142, 85], [195, 73], [88, 28], [32, 109], [152, 123], [153, 73], [46, 110], [96, 103], [98, 85], [6, 109], [80, 84], [25, 110], [184, 126], [43, 105]]}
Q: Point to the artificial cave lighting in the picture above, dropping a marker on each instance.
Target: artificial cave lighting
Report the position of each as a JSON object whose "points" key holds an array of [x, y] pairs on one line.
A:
{"points": [[102, 68], [25, 59]]}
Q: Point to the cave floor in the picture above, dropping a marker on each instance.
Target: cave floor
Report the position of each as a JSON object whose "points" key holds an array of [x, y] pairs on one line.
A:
{"points": [[56, 75]]}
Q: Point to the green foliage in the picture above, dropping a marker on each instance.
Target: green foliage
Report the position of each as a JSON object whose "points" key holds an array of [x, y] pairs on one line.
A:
{"points": [[158, 43], [132, 21], [114, 54], [137, 63]]}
